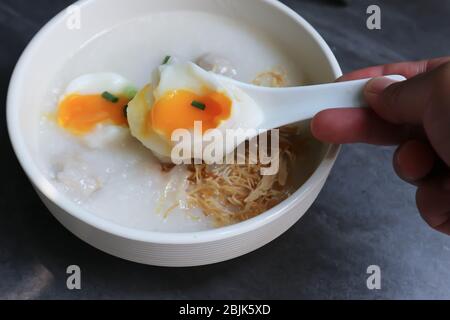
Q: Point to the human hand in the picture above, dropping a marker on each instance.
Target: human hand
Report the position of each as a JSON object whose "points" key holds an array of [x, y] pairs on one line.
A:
{"points": [[414, 114]]}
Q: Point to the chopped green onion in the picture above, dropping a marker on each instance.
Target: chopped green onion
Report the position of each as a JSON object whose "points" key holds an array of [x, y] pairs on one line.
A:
{"points": [[166, 59], [198, 105], [110, 97], [125, 111]]}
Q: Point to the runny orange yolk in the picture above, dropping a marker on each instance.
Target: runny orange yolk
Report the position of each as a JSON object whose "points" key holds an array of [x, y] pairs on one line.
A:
{"points": [[79, 114], [175, 111]]}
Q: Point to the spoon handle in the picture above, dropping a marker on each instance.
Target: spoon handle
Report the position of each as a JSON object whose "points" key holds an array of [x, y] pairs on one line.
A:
{"points": [[283, 106]]}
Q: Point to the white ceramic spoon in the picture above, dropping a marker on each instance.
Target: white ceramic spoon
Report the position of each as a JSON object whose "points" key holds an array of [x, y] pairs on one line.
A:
{"points": [[283, 106]]}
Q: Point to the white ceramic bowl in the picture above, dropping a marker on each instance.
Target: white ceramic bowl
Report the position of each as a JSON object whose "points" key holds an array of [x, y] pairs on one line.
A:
{"points": [[48, 51]]}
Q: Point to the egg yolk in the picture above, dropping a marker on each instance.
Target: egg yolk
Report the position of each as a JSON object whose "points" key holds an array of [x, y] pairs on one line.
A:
{"points": [[80, 114], [175, 110]]}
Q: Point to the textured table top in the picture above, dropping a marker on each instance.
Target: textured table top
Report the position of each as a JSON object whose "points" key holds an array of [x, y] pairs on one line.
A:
{"points": [[364, 216]]}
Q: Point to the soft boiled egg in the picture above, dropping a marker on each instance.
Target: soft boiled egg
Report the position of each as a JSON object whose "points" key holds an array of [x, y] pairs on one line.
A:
{"points": [[184, 94], [94, 100]]}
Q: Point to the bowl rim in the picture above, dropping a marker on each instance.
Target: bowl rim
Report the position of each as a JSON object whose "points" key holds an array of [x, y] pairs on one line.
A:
{"points": [[41, 183]]}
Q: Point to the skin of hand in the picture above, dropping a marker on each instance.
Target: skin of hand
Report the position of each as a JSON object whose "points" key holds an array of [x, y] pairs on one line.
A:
{"points": [[413, 114]]}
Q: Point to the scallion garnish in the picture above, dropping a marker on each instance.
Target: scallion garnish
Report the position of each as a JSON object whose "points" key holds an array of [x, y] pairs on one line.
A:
{"points": [[166, 59], [110, 97], [198, 105]]}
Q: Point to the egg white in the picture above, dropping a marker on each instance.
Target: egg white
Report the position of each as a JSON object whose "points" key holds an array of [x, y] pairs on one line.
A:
{"points": [[97, 83], [245, 114]]}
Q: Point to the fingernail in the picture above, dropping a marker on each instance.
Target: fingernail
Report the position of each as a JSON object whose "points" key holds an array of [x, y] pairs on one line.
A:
{"points": [[377, 85]]}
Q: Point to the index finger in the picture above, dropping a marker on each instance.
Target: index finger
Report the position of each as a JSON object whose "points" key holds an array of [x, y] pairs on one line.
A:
{"points": [[406, 69]]}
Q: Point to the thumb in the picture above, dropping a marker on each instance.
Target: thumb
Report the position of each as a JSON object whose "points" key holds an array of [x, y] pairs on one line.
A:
{"points": [[422, 100], [400, 102]]}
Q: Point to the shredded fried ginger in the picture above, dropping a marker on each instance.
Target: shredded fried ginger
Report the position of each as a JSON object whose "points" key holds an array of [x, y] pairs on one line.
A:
{"points": [[234, 193]]}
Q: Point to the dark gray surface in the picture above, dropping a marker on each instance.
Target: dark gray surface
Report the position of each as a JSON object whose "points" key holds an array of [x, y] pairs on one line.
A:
{"points": [[364, 216]]}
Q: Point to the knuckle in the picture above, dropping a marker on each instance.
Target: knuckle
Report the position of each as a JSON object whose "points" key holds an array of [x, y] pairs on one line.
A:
{"points": [[441, 83], [421, 203], [420, 200], [392, 95], [437, 115], [432, 204]]}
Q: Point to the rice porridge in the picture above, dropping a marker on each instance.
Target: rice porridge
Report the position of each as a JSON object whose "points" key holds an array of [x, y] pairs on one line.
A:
{"points": [[113, 175]]}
